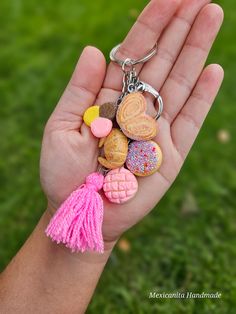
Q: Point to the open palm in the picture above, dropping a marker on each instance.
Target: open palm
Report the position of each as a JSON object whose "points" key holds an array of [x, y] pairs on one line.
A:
{"points": [[185, 31]]}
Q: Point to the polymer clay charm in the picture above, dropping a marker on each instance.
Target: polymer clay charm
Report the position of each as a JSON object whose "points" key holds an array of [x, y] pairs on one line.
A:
{"points": [[115, 150], [133, 120], [120, 185], [101, 127], [90, 114], [144, 158], [108, 110]]}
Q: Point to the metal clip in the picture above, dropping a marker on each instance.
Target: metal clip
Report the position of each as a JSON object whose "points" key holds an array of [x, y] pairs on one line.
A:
{"points": [[145, 87]]}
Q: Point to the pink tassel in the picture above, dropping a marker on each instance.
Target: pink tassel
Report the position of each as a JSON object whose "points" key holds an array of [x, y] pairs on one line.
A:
{"points": [[78, 221]]}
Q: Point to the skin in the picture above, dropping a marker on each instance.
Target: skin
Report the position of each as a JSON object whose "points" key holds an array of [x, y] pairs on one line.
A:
{"points": [[46, 278]]}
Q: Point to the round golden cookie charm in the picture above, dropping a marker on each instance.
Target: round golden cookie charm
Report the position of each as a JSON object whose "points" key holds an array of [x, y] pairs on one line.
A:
{"points": [[115, 150]]}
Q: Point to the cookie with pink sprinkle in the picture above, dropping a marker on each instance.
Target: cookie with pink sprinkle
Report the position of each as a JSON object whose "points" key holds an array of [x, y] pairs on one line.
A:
{"points": [[144, 158]]}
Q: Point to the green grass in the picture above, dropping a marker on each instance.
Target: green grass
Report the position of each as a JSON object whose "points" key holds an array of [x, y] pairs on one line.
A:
{"points": [[189, 242]]}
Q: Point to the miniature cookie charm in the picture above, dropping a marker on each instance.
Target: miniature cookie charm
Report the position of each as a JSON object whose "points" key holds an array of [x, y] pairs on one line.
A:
{"points": [[144, 158], [115, 150], [91, 114], [108, 110], [120, 185], [101, 127], [133, 120]]}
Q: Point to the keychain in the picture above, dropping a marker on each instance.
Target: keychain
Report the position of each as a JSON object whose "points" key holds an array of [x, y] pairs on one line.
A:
{"points": [[125, 132]]}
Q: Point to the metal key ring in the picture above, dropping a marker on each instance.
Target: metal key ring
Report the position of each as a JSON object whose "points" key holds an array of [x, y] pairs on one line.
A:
{"points": [[144, 87], [144, 59]]}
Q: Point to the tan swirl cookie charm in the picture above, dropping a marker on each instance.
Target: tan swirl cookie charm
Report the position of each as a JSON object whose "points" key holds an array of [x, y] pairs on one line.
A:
{"points": [[133, 120], [115, 150]]}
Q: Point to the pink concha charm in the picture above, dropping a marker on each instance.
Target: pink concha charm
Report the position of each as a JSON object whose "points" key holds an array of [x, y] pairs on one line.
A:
{"points": [[120, 185]]}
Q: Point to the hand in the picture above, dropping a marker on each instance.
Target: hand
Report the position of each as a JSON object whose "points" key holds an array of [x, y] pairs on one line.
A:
{"points": [[185, 31]]}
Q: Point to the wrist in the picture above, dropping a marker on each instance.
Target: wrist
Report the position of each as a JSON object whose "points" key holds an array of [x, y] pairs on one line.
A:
{"points": [[51, 273]]}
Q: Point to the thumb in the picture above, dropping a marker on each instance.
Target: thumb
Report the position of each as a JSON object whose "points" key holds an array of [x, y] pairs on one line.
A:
{"points": [[81, 91]]}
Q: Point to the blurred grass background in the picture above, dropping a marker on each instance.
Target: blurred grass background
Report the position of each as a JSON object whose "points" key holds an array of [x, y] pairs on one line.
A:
{"points": [[189, 242]]}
